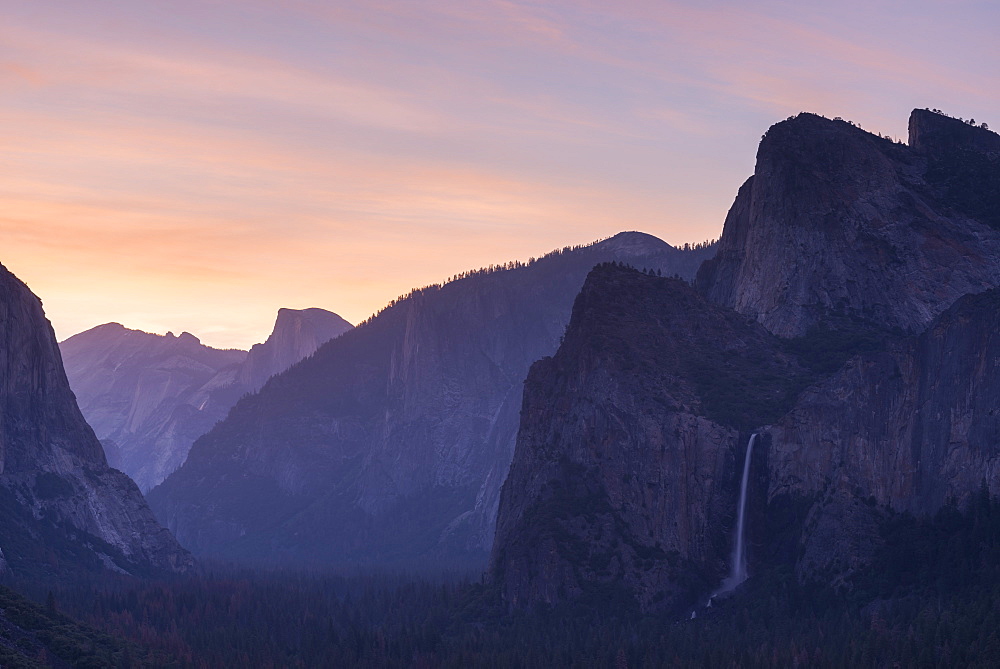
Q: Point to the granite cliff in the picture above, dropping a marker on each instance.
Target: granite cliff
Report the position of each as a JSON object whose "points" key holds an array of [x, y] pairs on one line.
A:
{"points": [[626, 468], [296, 335], [148, 397], [871, 266], [906, 429], [64, 509], [390, 444], [839, 224]]}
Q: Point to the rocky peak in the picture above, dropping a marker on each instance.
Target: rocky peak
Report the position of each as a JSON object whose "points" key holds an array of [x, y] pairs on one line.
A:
{"points": [[312, 323], [100, 340], [934, 132], [297, 334], [838, 224], [147, 396], [828, 158], [185, 341], [107, 329], [631, 243]]}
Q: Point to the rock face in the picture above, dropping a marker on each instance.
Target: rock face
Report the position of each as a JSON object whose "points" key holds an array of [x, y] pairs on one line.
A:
{"points": [[838, 223], [876, 264], [297, 334], [390, 444], [64, 509], [934, 133], [628, 456], [907, 428], [148, 397]]}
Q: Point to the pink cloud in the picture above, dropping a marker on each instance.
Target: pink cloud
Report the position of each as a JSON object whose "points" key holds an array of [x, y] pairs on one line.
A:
{"points": [[233, 157]]}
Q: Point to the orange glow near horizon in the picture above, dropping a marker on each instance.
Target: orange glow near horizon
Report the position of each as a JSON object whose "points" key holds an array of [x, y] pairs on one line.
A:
{"points": [[195, 166]]}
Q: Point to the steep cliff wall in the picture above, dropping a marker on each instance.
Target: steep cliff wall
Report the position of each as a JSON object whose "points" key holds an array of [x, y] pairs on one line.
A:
{"points": [[876, 264], [626, 468], [63, 508], [296, 335], [933, 133], [908, 428], [838, 223]]}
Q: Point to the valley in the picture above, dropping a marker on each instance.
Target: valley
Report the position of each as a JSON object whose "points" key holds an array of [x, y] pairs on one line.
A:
{"points": [[779, 448]]}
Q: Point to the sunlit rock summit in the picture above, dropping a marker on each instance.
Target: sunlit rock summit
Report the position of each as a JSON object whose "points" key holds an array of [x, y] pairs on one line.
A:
{"points": [[297, 334]]}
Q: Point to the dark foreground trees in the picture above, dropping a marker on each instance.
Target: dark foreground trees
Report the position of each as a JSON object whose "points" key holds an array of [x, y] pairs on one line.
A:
{"points": [[931, 599]]}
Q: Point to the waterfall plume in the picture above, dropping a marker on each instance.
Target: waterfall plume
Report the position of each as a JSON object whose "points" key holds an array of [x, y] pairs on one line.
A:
{"points": [[738, 564]]}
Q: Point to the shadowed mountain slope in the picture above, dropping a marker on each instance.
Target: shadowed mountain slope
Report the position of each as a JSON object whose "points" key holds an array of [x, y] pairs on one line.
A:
{"points": [[625, 473], [63, 509], [390, 444], [879, 265]]}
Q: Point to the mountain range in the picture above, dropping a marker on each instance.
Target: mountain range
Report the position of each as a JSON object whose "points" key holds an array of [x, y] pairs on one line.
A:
{"points": [[390, 444], [148, 397], [581, 420]]}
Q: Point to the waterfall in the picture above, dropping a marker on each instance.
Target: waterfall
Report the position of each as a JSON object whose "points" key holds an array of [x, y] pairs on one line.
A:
{"points": [[738, 568]]}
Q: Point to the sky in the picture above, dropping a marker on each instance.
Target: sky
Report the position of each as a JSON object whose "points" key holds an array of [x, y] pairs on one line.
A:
{"points": [[195, 165]]}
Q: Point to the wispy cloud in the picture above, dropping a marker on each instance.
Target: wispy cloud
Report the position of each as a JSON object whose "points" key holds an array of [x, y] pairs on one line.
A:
{"points": [[196, 165]]}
